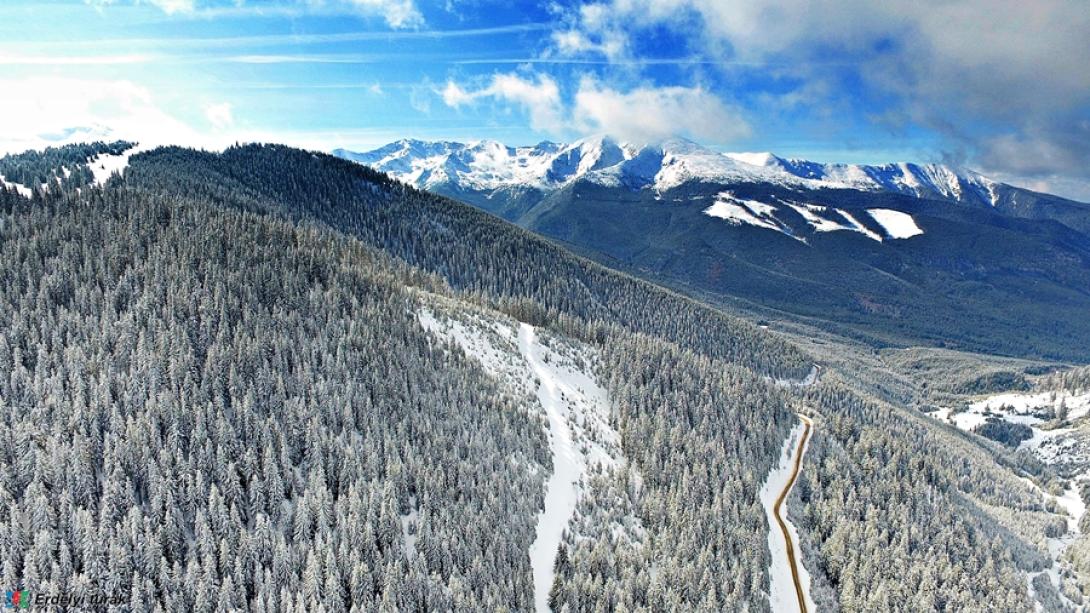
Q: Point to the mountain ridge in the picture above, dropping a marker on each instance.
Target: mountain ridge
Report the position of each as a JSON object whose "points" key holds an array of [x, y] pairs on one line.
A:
{"points": [[901, 253], [491, 165]]}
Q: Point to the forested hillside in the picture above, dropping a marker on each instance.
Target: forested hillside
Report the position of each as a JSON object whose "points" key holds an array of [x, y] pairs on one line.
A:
{"points": [[65, 167], [218, 394], [473, 251]]}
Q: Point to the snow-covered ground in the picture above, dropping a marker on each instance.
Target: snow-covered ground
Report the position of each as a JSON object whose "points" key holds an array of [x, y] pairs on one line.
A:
{"points": [[1072, 504], [558, 373], [409, 526], [895, 223], [23, 190], [810, 379], [1030, 409], [558, 390], [1054, 441], [770, 216], [781, 593], [738, 211], [105, 165], [813, 214]]}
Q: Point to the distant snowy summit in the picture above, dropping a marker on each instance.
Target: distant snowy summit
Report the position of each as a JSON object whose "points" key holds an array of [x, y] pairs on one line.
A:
{"points": [[488, 166]]}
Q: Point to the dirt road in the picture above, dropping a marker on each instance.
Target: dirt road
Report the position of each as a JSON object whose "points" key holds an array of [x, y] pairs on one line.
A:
{"points": [[778, 511]]}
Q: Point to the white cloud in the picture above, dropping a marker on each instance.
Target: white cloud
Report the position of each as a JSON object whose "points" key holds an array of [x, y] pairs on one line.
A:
{"points": [[38, 111], [1018, 66], [220, 115], [397, 13], [651, 113], [455, 96], [168, 6], [540, 97], [642, 114], [593, 29], [173, 6]]}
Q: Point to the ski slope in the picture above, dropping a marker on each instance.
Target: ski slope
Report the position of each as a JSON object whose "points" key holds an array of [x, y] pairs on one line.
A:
{"points": [[556, 372]]}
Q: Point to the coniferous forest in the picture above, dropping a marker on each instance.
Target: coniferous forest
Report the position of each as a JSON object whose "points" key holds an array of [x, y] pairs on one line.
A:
{"points": [[217, 395]]}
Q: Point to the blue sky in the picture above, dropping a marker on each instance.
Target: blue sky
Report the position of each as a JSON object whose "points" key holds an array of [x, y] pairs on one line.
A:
{"points": [[1003, 89]]}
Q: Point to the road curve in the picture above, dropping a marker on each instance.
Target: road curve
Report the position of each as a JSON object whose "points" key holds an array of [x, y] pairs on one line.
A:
{"points": [[776, 510]]}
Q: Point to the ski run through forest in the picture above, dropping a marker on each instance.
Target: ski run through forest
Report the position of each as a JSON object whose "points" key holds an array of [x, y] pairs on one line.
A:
{"points": [[571, 396], [573, 404]]}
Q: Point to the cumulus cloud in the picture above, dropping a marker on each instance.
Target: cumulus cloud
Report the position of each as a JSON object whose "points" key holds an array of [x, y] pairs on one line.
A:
{"points": [[651, 113], [39, 110], [593, 29], [397, 13], [1019, 67], [540, 97], [641, 114]]}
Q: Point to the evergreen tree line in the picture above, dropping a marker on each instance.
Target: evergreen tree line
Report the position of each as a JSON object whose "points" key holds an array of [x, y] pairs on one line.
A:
{"points": [[206, 409], [57, 168], [474, 252]]}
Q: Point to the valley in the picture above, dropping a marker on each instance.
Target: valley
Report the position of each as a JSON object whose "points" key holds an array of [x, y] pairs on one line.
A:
{"points": [[900, 254]]}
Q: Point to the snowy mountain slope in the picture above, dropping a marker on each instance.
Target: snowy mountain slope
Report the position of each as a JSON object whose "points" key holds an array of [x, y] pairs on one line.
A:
{"points": [[489, 165], [346, 450], [889, 248], [69, 166], [510, 180], [555, 371], [934, 181], [739, 211]]}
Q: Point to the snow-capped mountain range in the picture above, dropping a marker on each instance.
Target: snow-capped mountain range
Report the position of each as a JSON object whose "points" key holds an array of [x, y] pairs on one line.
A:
{"points": [[489, 165]]}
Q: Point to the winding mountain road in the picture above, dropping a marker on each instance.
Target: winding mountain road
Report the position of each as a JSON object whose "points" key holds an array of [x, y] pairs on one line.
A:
{"points": [[778, 512]]}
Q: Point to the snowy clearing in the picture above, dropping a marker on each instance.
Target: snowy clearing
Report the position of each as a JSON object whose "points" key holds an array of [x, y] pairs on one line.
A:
{"points": [[895, 223], [812, 213], [560, 493], [105, 165], [821, 219], [23, 190], [810, 379], [492, 343], [557, 372], [781, 593], [1053, 443], [742, 212], [409, 522]]}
